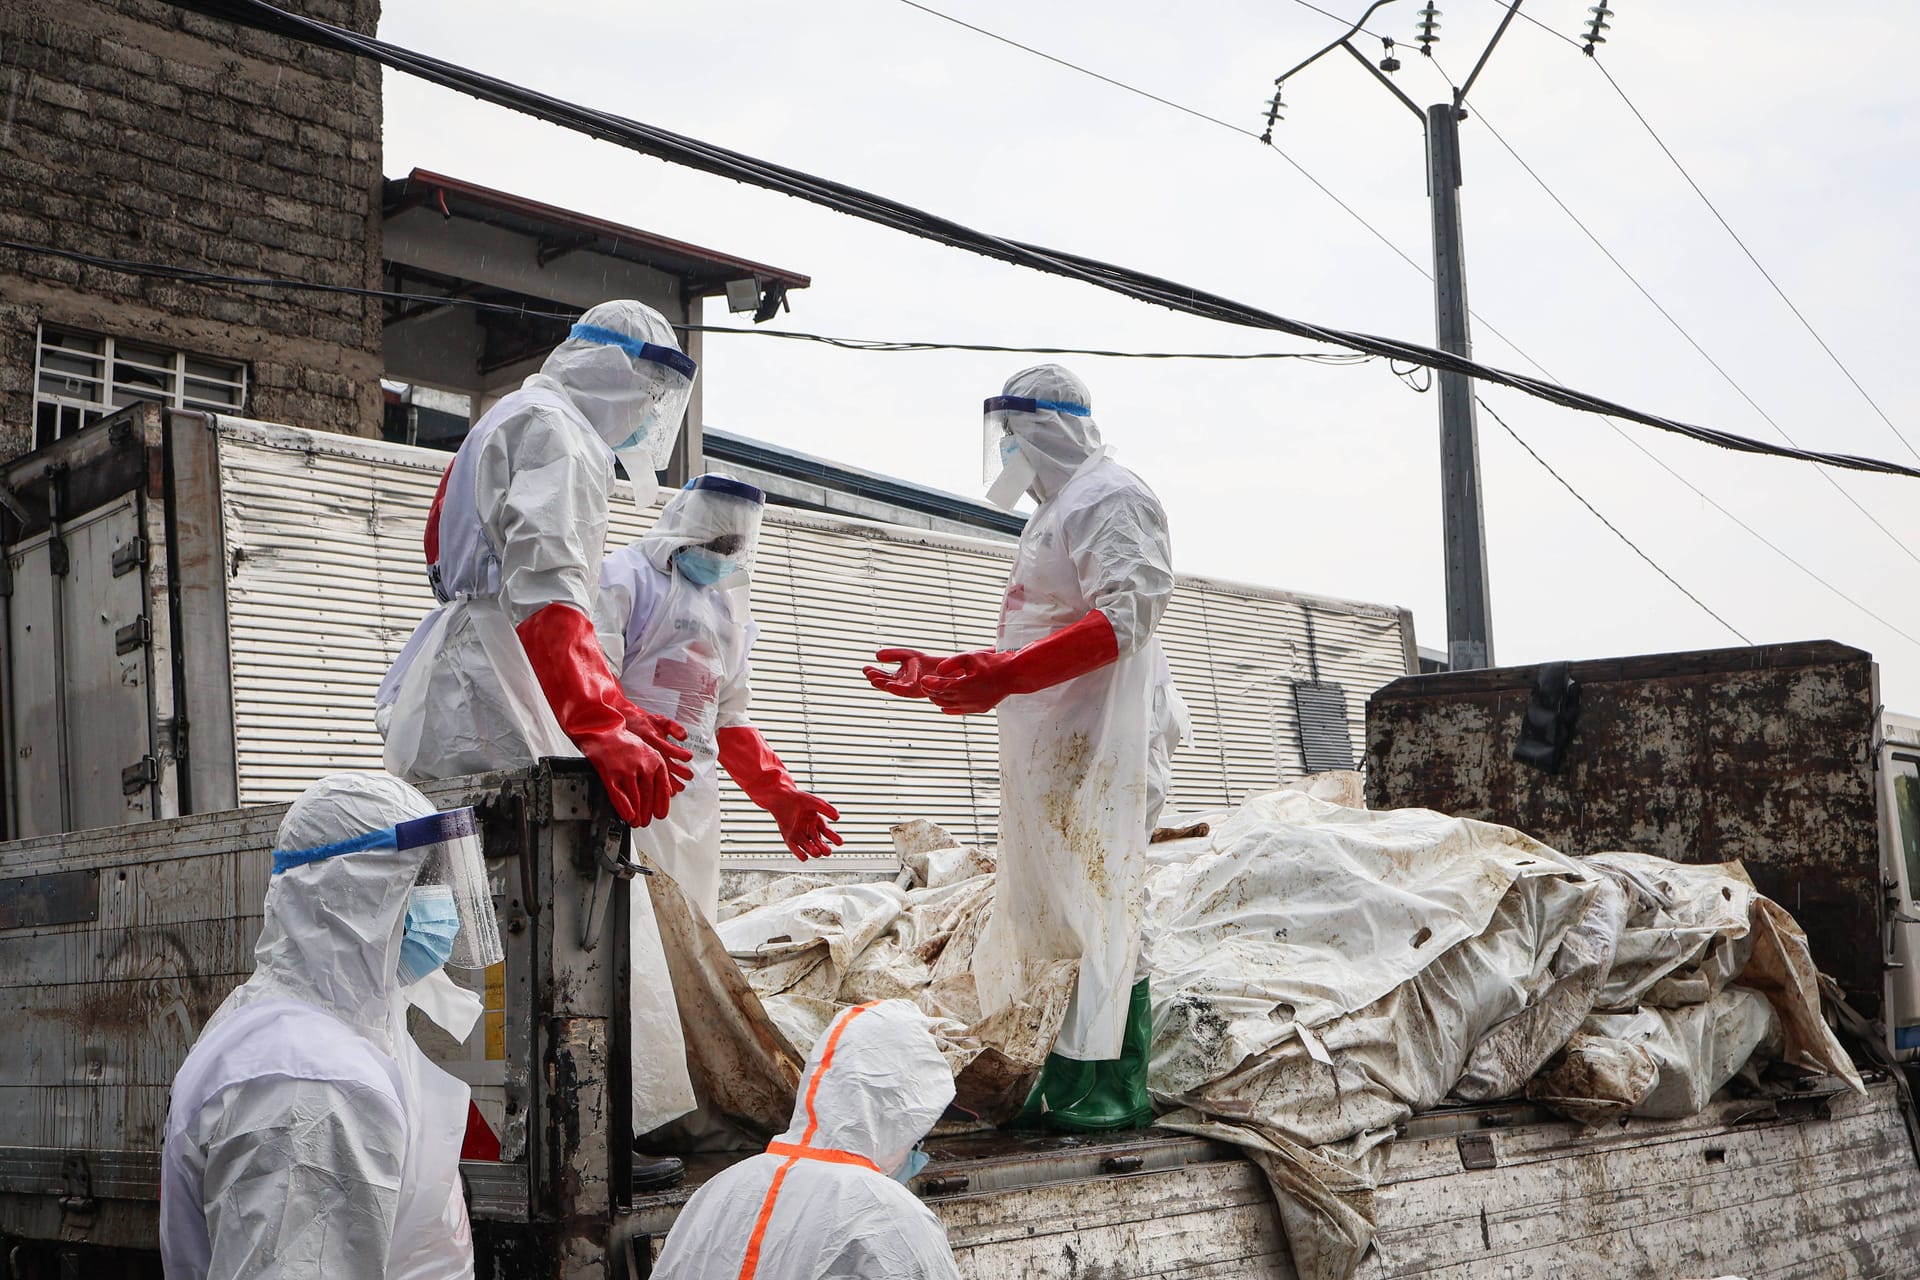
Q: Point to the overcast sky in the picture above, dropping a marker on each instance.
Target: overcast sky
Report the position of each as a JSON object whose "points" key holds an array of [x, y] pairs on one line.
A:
{"points": [[1283, 473]]}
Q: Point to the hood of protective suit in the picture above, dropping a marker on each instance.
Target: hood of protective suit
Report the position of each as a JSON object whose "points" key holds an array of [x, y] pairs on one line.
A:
{"points": [[332, 931], [1058, 444], [598, 378], [883, 1085], [710, 507]]}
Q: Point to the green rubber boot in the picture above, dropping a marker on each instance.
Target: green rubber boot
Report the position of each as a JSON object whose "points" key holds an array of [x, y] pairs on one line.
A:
{"points": [[1096, 1096]]}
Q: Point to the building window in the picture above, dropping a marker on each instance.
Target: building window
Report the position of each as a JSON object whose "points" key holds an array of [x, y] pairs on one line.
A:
{"points": [[82, 377]]}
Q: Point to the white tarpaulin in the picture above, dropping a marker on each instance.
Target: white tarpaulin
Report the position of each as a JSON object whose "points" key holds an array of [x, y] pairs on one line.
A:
{"points": [[1320, 972]]}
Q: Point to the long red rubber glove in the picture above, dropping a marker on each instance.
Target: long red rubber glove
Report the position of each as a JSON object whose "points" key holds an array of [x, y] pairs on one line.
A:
{"points": [[914, 667], [803, 818], [970, 683], [664, 736], [567, 659]]}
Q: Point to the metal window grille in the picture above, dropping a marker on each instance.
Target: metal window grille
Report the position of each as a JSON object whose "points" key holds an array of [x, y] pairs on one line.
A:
{"points": [[81, 377], [1320, 710]]}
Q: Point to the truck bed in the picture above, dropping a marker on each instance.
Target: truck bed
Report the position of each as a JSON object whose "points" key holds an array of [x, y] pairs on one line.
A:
{"points": [[1824, 1185]]}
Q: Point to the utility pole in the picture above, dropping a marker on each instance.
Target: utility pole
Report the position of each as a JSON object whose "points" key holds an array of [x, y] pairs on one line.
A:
{"points": [[1469, 606], [1469, 610]]}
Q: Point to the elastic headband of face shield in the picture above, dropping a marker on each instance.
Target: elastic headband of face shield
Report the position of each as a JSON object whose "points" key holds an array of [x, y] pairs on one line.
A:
{"points": [[1024, 404], [729, 486], [678, 361], [450, 855]]}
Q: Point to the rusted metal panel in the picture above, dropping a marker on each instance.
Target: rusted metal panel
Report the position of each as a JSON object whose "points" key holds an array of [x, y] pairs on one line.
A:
{"points": [[1763, 754], [66, 897]]}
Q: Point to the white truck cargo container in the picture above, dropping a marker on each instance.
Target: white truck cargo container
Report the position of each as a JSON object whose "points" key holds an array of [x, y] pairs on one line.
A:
{"points": [[197, 611]]}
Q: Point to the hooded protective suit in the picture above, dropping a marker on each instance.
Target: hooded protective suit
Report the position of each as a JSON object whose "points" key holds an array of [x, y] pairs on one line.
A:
{"points": [[822, 1203], [502, 672], [307, 1135], [687, 644], [1088, 714]]}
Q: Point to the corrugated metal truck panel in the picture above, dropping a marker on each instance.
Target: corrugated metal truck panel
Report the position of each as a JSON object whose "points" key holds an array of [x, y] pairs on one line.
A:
{"points": [[326, 584]]}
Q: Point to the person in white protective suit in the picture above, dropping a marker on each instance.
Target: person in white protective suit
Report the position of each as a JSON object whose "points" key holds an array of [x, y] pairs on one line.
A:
{"points": [[827, 1200], [1088, 720], [679, 596], [307, 1135], [508, 668]]}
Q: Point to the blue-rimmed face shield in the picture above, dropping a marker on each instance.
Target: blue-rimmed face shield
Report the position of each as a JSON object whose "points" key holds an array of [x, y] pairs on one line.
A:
{"points": [[661, 388], [451, 867], [1004, 464]]}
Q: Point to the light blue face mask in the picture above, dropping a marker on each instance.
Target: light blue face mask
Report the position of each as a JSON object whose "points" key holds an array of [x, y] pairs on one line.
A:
{"points": [[916, 1161], [1009, 447], [433, 918], [701, 566]]}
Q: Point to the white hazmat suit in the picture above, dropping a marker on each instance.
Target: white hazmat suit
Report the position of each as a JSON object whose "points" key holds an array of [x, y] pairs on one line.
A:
{"points": [[1076, 786], [519, 527], [822, 1202], [679, 596], [307, 1135]]}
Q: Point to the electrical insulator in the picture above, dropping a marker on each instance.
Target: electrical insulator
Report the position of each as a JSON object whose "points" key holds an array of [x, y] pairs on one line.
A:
{"points": [[1274, 108], [1389, 62], [1597, 25], [1429, 28]]}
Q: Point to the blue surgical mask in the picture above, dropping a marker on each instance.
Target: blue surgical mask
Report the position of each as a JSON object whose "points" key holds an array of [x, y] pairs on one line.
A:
{"points": [[916, 1161], [433, 919], [1009, 447], [701, 566]]}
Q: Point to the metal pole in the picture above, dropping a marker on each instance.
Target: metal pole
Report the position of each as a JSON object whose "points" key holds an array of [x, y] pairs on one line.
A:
{"points": [[1469, 611]]}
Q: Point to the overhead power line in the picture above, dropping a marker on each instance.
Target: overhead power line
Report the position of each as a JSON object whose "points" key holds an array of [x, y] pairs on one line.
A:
{"points": [[1681, 329], [190, 275], [1735, 235], [720, 161], [1611, 526]]}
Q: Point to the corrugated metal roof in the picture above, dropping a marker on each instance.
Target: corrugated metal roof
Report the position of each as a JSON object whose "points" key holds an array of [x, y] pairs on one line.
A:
{"points": [[327, 584]]}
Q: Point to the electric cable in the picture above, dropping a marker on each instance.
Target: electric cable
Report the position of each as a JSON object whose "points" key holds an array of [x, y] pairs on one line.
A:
{"points": [[190, 275], [1728, 227], [1681, 329], [1611, 526], [1767, 275], [1634, 442], [1183, 108], [1143, 286]]}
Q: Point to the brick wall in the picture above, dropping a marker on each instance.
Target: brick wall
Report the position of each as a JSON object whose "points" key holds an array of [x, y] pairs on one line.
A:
{"points": [[132, 130]]}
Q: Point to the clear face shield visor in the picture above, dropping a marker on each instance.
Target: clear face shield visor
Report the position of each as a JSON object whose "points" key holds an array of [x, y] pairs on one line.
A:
{"points": [[1006, 465], [452, 884], [719, 519], [661, 386]]}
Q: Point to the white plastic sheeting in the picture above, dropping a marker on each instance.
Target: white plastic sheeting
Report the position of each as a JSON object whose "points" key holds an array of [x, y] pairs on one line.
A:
{"points": [[1321, 972]]}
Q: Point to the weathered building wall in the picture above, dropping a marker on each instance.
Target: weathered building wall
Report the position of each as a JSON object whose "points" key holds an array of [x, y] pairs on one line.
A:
{"points": [[1763, 754], [135, 131]]}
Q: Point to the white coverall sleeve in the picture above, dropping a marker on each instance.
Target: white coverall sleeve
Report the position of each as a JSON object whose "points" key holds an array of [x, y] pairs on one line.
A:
{"points": [[541, 487], [1123, 555], [737, 693], [302, 1179]]}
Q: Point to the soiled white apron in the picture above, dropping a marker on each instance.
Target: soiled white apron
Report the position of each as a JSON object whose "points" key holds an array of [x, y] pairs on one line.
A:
{"points": [[685, 657], [1073, 808]]}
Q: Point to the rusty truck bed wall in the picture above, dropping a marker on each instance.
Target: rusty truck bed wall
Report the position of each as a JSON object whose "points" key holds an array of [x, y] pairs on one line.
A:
{"points": [[1763, 754]]}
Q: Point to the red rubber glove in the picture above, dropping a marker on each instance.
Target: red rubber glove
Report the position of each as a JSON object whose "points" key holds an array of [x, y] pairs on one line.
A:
{"points": [[803, 818], [572, 670], [664, 736], [970, 683], [905, 682]]}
